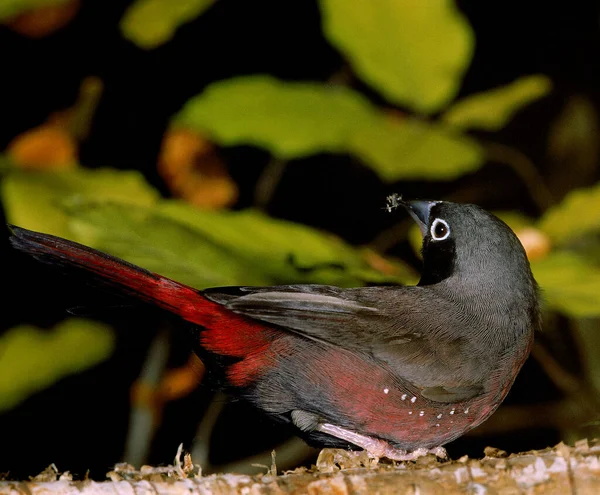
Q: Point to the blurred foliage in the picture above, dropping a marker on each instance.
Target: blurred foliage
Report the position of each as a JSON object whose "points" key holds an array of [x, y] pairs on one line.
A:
{"points": [[293, 120], [118, 212], [54, 144], [33, 359], [150, 23], [393, 106], [573, 142], [571, 283], [38, 18], [492, 110], [578, 215], [414, 53], [33, 199], [11, 8], [193, 170], [46, 146]]}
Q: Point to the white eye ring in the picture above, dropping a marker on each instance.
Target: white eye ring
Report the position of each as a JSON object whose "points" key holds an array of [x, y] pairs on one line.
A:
{"points": [[436, 225]]}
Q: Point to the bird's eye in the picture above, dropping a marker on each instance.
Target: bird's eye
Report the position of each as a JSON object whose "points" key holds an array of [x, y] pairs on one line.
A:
{"points": [[440, 230]]}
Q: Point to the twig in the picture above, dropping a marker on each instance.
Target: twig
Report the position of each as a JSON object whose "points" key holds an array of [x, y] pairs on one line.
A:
{"points": [[268, 181], [200, 448], [525, 169], [142, 420], [569, 384]]}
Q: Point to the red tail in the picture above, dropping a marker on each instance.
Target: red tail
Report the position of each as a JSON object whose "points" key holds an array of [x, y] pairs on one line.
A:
{"points": [[129, 278], [226, 333]]}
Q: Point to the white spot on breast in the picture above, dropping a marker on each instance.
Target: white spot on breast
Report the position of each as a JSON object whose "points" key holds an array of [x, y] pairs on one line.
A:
{"points": [[466, 410], [439, 416], [409, 412], [403, 396], [437, 424], [421, 413], [386, 390], [413, 400], [452, 412]]}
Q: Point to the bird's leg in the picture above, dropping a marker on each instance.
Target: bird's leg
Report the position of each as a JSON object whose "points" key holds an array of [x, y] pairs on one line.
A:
{"points": [[377, 447]]}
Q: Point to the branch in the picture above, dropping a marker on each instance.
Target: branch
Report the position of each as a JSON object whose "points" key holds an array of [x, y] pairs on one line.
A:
{"points": [[562, 469]]}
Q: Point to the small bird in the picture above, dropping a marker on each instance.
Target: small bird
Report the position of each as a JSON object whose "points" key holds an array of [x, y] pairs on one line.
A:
{"points": [[398, 371]]}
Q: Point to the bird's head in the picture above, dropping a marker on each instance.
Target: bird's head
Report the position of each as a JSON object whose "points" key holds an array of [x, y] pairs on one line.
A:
{"points": [[466, 245]]}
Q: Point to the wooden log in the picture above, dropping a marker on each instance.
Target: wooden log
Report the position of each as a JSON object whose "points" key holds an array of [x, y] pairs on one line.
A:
{"points": [[559, 470]]}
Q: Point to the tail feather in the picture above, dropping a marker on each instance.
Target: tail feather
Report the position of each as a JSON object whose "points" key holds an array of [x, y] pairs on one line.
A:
{"points": [[109, 270], [222, 332]]}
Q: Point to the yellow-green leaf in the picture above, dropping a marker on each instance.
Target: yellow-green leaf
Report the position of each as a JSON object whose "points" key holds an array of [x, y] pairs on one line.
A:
{"points": [[150, 23], [215, 248], [33, 359], [493, 109], [573, 145], [119, 213], [293, 120], [285, 251], [413, 149], [290, 119], [570, 283], [577, 215], [414, 52], [515, 219], [159, 244], [35, 199]]}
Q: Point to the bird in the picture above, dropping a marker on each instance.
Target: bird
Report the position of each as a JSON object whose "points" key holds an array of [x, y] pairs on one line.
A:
{"points": [[398, 371]]}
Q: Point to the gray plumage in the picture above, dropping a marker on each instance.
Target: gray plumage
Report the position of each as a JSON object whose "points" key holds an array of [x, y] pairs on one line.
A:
{"points": [[476, 304]]}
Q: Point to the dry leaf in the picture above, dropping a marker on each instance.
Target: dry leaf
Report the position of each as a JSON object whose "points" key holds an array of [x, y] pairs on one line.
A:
{"points": [[193, 171], [536, 243], [54, 144], [45, 20], [44, 147], [179, 382]]}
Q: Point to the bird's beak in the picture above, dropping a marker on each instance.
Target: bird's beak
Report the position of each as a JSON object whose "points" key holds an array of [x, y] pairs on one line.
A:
{"points": [[419, 210]]}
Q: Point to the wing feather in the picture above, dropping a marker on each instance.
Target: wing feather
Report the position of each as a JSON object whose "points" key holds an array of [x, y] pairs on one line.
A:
{"points": [[391, 327]]}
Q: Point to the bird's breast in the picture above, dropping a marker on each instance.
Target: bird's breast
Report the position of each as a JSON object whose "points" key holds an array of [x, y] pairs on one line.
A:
{"points": [[370, 400]]}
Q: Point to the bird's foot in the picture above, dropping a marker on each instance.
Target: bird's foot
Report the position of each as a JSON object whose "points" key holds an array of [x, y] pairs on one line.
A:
{"points": [[376, 447]]}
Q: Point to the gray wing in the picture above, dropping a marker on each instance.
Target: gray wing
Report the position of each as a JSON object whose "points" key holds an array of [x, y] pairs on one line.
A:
{"points": [[325, 313], [387, 322]]}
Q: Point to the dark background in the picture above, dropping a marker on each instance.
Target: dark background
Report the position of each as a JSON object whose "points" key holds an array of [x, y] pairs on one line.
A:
{"points": [[81, 422]]}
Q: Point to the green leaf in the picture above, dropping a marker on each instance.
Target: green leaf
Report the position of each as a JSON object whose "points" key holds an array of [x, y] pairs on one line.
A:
{"points": [[144, 237], [293, 120], [209, 248], [415, 239], [35, 199], [576, 216], [573, 145], [33, 359], [287, 252], [569, 283], [150, 23], [414, 53], [493, 109], [413, 149], [119, 213], [11, 8], [515, 219], [290, 119]]}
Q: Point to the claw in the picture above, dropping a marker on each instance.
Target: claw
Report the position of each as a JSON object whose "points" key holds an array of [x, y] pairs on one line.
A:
{"points": [[378, 448]]}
